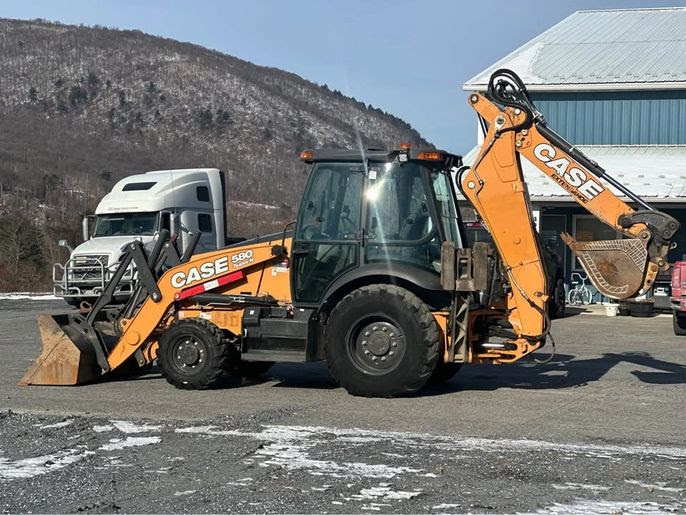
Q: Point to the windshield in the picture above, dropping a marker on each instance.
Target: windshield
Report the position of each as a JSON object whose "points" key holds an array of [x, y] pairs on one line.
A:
{"points": [[125, 224]]}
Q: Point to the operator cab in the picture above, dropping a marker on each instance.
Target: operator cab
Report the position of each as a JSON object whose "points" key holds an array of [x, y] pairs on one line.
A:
{"points": [[372, 211]]}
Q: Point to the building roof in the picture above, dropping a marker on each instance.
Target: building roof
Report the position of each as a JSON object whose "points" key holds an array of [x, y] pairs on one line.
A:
{"points": [[655, 173], [606, 49]]}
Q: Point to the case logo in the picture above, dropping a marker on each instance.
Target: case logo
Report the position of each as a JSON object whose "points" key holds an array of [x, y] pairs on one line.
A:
{"points": [[573, 176], [204, 271]]}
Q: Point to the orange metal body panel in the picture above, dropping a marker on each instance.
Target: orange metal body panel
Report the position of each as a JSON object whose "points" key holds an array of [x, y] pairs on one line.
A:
{"points": [[444, 338], [496, 189], [264, 274]]}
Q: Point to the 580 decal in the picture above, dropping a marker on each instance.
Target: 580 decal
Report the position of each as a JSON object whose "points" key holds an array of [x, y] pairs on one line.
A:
{"points": [[242, 258]]}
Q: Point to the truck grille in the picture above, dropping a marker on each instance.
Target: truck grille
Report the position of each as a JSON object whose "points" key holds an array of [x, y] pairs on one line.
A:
{"points": [[87, 267]]}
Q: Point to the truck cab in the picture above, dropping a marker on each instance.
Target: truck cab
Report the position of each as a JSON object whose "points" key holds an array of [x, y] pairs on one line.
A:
{"points": [[138, 207]]}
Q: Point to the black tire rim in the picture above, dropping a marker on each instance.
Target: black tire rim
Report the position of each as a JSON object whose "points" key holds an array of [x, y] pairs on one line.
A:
{"points": [[376, 346], [188, 354]]}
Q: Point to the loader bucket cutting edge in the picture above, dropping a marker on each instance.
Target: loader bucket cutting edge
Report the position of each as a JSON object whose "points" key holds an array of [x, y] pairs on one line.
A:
{"points": [[615, 267], [65, 359]]}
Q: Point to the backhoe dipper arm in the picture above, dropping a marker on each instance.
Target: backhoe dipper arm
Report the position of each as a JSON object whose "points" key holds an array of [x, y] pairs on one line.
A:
{"points": [[495, 186]]}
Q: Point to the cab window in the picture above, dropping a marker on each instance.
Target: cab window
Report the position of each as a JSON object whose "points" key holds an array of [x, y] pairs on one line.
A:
{"points": [[331, 206], [399, 225]]}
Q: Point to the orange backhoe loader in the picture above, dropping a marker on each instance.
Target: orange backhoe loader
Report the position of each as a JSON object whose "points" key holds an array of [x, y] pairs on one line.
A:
{"points": [[376, 276]]}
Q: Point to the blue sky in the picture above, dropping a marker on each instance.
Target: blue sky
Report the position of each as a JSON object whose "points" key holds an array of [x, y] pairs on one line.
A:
{"points": [[408, 57]]}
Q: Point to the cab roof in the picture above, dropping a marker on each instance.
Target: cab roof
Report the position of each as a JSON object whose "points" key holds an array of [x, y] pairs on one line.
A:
{"points": [[355, 156]]}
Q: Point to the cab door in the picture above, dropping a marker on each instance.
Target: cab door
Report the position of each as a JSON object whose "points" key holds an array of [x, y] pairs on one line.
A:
{"points": [[328, 231]]}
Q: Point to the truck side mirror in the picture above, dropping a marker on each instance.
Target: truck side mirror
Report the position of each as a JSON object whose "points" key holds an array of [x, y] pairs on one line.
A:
{"points": [[65, 244]]}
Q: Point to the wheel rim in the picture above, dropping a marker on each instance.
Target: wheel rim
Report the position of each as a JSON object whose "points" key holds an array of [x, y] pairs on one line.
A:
{"points": [[188, 354], [376, 346]]}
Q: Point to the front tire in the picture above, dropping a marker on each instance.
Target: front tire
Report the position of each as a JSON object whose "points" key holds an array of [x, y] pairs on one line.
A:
{"points": [[193, 354], [381, 341]]}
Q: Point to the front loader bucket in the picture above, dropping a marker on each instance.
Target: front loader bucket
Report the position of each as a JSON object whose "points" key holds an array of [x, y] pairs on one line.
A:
{"points": [[67, 358], [616, 268]]}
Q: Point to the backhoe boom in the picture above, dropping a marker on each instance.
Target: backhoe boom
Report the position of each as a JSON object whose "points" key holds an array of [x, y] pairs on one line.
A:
{"points": [[619, 269]]}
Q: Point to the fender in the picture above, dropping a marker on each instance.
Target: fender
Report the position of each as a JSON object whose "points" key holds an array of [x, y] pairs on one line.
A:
{"points": [[423, 283]]}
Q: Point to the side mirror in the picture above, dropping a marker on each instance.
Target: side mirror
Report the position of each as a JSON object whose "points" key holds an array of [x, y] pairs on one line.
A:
{"points": [[65, 244]]}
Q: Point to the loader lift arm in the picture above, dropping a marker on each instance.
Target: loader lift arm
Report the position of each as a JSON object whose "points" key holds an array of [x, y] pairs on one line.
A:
{"points": [[495, 186]]}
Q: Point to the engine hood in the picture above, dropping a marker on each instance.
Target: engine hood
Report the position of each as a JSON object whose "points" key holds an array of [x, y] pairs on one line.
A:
{"points": [[111, 245]]}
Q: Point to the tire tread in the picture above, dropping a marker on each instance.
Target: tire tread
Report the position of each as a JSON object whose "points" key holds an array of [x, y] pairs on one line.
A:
{"points": [[418, 312], [219, 356]]}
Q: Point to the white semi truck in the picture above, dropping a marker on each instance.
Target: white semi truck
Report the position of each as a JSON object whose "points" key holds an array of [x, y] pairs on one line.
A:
{"points": [[138, 207]]}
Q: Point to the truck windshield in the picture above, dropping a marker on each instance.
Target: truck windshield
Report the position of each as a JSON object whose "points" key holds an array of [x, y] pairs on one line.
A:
{"points": [[125, 224]]}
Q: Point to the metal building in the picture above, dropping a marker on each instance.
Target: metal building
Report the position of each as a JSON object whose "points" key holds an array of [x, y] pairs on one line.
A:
{"points": [[612, 82]]}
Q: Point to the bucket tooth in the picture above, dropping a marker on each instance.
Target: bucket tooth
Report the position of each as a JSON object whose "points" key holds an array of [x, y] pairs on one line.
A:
{"points": [[617, 268], [65, 359]]}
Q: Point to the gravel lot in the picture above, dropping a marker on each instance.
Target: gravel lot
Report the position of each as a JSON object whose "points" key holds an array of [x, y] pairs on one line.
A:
{"points": [[599, 429]]}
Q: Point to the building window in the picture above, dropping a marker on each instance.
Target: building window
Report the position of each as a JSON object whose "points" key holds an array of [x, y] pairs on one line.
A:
{"points": [[203, 193], [589, 228], [204, 222]]}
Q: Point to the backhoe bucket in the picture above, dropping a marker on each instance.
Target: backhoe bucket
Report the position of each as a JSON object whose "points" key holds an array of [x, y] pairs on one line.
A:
{"points": [[616, 268], [67, 358]]}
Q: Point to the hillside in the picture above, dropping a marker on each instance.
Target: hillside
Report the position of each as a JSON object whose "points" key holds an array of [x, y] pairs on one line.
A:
{"points": [[82, 107]]}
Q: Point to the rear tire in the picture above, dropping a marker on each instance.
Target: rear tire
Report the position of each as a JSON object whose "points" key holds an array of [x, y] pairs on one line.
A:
{"points": [[193, 354], [381, 341], [679, 323]]}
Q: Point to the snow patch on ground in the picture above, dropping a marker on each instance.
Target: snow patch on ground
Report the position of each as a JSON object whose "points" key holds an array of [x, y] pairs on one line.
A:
{"points": [[580, 486], [383, 492], [117, 444], [64, 423], [130, 427], [206, 430], [25, 295], [185, 492], [290, 447], [583, 507], [301, 447], [38, 465], [485, 444], [661, 486]]}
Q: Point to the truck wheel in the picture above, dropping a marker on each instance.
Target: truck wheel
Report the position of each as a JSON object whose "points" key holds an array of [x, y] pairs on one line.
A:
{"points": [[193, 354], [679, 323], [558, 300], [443, 373], [381, 341]]}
